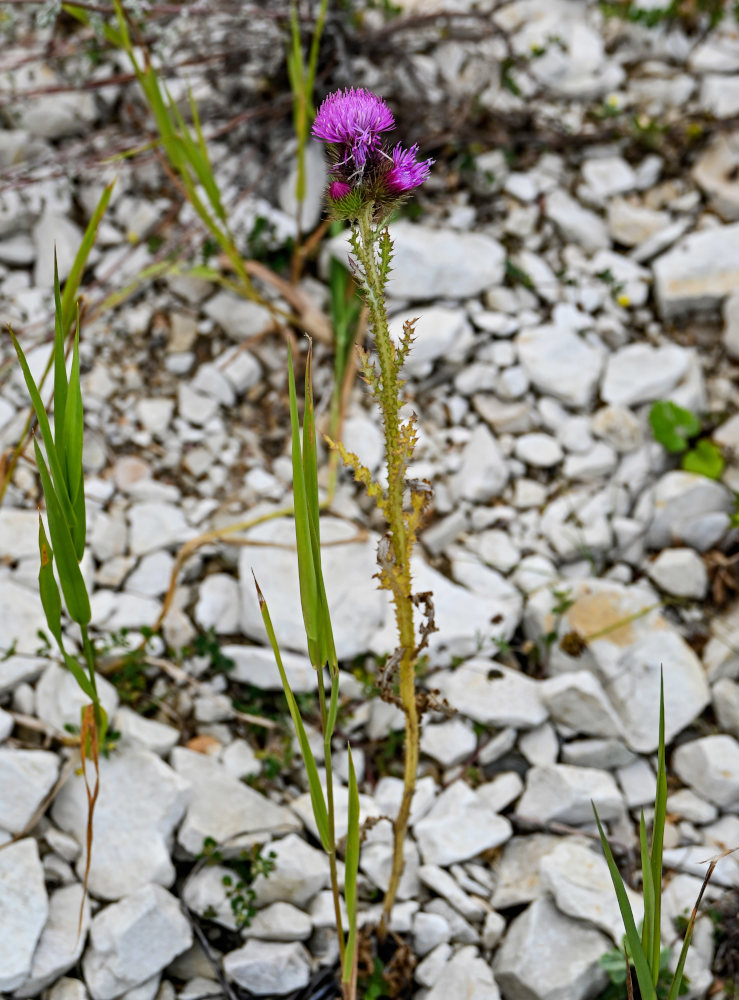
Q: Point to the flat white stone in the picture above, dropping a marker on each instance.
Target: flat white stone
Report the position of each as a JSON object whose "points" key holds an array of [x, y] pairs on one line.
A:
{"points": [[62, 940], [140, 794], [710, 765], [437, 331], [449, 743], [218, 603], [560, 363], [436, 263], [576, 224], [640, 373], [224, 808], [577, 876], [492, 694], [700, 271], [269, 969], [577, 700], [483, 471], [142, 733], [459, 826], [21, 610], [680, 572], [26, 777], [256, 665], [562, 956], [540, 450], [238, 317], [155, 526], [465, 975], [132, 940], [300, 872], [24, 908], [566, 794], [517, 869], [681, 501]]}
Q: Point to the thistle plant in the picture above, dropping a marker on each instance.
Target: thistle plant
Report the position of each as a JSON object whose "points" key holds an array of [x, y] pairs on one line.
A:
{"points": [[368, 182]]}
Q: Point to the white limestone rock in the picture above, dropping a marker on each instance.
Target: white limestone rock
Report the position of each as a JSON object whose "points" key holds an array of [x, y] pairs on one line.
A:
{"points": [[465, 975], [218, 604], [24, 908], [577, 224], [449, 743], [300, 872], [435, 263], [238, 317], [517, 869], [560, 363], [715, 172], [62, 940], [23, 615], [640, 373], [710, 765], [492, 694], [577, 700], [682, 502], [700, 271], [26, 777], [459, 826], [132, 940], [140, 794], [142, 733], [269, 969], [577, 876], [438, 333], [680, 572], [566, 794], [483, 471], [156, 525], [220, 806], [256, 665], [562, 957], [279, 922]]}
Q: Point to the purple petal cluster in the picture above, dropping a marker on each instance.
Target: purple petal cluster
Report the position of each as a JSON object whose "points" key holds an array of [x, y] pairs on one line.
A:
{"points": [[353, 119], [407, 171]]}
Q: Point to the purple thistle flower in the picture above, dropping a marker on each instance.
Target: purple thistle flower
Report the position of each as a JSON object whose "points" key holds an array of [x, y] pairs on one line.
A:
{"points": [[338, 190], [354, 119], [406, 172]]}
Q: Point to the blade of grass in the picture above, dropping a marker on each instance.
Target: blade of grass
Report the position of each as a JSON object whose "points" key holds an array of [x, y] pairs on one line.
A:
{"points": [[306, 568], [648, 927], [678, 977], [318, 800], [658, 833], [57, 473], [60, 368], [351, 862], [70, 575], [643, 971], [73, 437], [74, 279]]}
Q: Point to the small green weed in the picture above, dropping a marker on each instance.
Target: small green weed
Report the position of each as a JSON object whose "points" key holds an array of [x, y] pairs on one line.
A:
{"points": [[681, 431], [614, 963], [239, 892]]}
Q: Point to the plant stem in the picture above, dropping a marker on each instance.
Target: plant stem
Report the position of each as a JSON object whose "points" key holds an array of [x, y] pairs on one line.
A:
{"points": [[89, 651], [399, 573], [331, 818]]}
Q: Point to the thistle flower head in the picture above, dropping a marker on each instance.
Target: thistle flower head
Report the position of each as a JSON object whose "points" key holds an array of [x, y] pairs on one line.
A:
{"points": [[338, 190], [407, 171], [353, 119]]}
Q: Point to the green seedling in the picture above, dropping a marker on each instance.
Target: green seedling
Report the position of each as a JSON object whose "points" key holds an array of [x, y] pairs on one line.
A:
{"points": [[644, 951], [679, 431]]}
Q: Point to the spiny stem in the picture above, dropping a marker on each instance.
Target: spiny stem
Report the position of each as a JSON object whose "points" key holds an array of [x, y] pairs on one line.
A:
{"points": [[399, 573], [331, 818]]}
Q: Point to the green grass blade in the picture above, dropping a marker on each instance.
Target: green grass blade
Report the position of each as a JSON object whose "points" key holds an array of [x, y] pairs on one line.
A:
{"points": [[51, 600], [72, 284], [74, 431], [318, 800], [60, 368], [306, 567], [658, 833], [647, 936], [643, 971], [351, 861], [57, 473], [70, 575]]}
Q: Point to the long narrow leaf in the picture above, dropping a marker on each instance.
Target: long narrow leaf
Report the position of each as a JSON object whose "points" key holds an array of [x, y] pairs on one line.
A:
{"points": [[74, 279], [658, 833], [73, 438], [647, 936], [351, 861], [60, 369], [306, 567], [318, 800], [51, 600], [57, 473], [643, 972], [70, 575]]}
